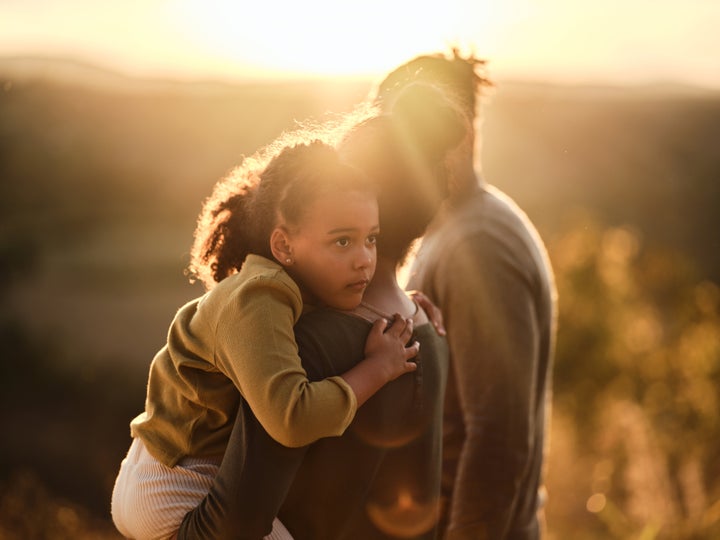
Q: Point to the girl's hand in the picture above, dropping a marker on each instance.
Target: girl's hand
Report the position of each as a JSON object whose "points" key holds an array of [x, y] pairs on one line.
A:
{"points": [[433, 312], [387, 347], [387, 356]]}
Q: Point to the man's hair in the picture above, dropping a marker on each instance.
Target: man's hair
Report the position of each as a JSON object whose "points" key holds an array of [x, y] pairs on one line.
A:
{"points": [[462, 78]]}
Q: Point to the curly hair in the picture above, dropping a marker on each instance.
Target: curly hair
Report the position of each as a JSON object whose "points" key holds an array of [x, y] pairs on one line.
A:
{"points": [[278, 183]]}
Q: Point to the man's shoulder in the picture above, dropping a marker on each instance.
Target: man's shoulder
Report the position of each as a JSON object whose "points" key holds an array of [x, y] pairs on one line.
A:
{"points": [[330, 329], [492, 215], [328, 320], [330, 342], [491, 205], [473, 221], [490, 226]]}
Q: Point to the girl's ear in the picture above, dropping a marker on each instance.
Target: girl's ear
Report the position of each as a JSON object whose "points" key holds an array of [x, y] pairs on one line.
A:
{"points": [[280, 246]]}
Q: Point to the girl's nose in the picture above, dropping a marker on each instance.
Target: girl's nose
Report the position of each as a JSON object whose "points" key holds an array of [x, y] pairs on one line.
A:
{"points": [[365, 257]]}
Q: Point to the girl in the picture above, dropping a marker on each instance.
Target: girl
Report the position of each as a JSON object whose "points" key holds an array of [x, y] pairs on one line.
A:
{"points": [[300, 231]]}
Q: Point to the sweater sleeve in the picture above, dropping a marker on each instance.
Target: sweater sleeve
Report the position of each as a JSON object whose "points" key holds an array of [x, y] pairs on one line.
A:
{"points": [[493, 336], [256, 348]]}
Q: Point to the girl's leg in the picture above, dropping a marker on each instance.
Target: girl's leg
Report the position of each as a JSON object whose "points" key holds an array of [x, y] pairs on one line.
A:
{"points": [[149, 499]]}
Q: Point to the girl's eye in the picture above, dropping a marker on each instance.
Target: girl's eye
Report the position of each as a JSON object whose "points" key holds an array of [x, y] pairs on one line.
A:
{"points": [[372, 239], [343, 242]]}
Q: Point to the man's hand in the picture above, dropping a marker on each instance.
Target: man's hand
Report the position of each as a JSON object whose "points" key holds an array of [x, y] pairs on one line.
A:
{"points": [[433, 312]]}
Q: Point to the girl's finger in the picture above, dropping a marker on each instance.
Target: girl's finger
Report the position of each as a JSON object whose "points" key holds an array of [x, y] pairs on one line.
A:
{"points": [[398, 325], [412, 350]]}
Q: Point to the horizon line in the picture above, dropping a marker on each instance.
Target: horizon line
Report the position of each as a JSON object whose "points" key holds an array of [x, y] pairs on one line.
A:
{"points": [[195, 78]]}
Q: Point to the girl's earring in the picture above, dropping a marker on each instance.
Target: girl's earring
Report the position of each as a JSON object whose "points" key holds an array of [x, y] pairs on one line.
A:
{"points": [[288, 261]]}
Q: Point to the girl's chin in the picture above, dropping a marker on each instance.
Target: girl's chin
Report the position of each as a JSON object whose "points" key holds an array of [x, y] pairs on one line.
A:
{"points": [[347, 304]]}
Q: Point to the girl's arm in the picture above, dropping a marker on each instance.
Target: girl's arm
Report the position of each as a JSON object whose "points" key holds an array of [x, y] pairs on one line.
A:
{"points": [[256, 348]]}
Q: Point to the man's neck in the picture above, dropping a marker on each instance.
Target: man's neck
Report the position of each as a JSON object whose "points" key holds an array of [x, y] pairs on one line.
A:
{"points": [[385, 293], [471, 183]]}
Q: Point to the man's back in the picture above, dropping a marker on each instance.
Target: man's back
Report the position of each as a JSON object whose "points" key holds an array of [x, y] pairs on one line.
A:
{"points": [[487, 269]]}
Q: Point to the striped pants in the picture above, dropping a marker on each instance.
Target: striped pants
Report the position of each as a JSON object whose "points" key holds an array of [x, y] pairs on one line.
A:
{"points": [[150, 499]]}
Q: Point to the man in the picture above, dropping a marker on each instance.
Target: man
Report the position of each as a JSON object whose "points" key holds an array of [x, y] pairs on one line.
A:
{"points": [[483, 263]]}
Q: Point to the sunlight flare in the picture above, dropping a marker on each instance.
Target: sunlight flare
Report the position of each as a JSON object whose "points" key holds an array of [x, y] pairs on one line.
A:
{"points": [[321, 37]]}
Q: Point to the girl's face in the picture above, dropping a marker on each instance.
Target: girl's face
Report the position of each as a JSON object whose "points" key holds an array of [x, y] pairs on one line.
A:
{"points": [[333, 249]]}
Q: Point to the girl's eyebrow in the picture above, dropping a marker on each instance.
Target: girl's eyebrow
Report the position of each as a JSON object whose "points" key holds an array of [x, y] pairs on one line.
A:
{"points": [[341, 230], [350, 229]]}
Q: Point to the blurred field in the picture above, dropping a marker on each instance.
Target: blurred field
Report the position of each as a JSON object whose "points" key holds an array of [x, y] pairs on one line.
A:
{"points": [[102, 177]]}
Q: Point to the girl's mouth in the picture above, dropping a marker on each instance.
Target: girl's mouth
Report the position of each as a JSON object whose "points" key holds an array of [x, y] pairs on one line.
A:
{"points": [[359, 285]]}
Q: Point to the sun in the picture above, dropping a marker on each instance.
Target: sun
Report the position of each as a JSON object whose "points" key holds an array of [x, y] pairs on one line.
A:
{"points": [[324, 38]]}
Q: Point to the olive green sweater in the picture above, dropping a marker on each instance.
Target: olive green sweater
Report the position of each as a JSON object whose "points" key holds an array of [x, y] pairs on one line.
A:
{"points": [[237, 342]]}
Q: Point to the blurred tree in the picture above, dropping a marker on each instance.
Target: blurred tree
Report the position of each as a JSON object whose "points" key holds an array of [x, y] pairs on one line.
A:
{"points": [[638, 367]]}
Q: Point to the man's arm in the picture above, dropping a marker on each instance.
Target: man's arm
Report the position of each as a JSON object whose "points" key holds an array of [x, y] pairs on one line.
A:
{"points": [[492, 333], [251, 484]]}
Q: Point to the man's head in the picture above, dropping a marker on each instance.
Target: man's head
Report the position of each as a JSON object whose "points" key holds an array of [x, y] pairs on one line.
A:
{"points": [[462, 79]]}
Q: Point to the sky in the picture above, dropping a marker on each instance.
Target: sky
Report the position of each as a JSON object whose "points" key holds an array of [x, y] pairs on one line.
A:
{"points": [[572, 41]]}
